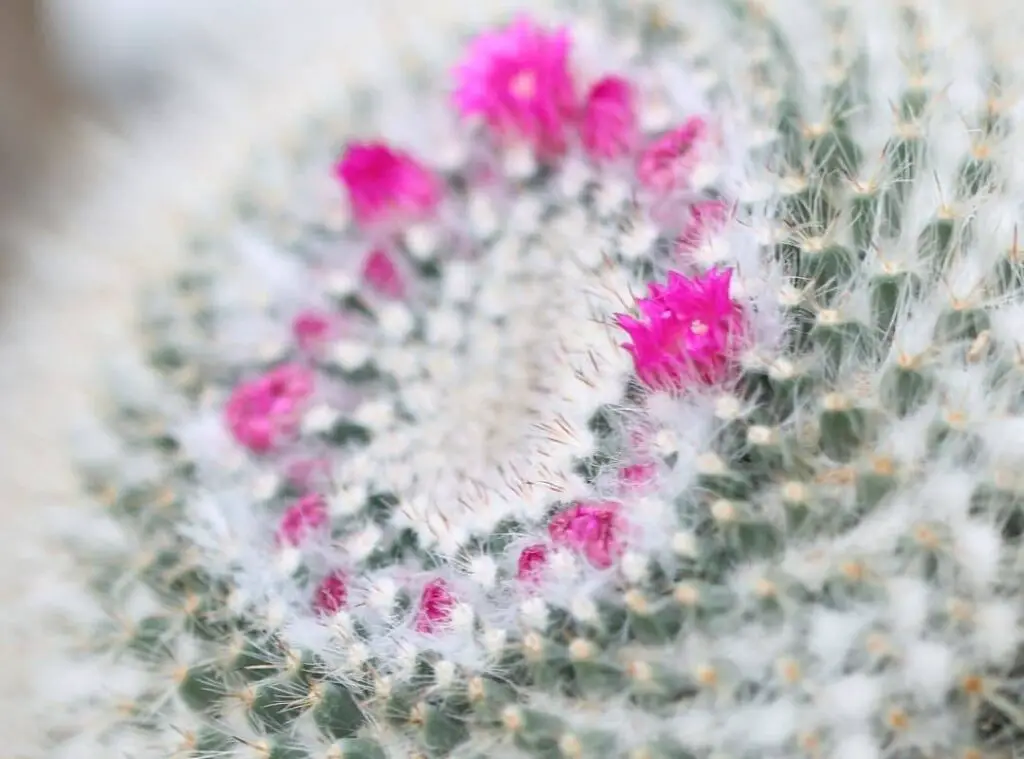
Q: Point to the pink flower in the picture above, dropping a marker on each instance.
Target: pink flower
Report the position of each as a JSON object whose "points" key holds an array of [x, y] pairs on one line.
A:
{"points": [[706, 218], [667, 163], [331, 595], [532, 561], [387, 185], [311, 329], [303, 518], [263, 410], [436, 603], [382, 275], [593, 529], [609, 128], [688, 332], [517, 81]]}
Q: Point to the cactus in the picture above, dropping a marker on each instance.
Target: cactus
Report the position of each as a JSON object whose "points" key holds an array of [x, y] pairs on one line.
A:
{"points": [[644, 386]]}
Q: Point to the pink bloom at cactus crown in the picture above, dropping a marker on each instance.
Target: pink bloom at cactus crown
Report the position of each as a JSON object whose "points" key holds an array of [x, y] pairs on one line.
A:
{"points": [[669, 161], [262, 411], [305, 517], [517, 81], [688, 331], [592, 529], [609, 127], [311, 329], [385, 184], [706, 218], [381, 273], [531, 563], [331, 595], [436, 603]]}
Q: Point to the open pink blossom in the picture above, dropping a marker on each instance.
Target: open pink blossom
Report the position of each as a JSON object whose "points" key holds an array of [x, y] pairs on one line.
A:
{"points": [[436, 604], [706, 218], [386, 185], [381, 273], [262, 411], [609, 126], [667, 164], [688, 331], [532, 561], [331, 594], [593, 529], [517, 81], [303, 519]]}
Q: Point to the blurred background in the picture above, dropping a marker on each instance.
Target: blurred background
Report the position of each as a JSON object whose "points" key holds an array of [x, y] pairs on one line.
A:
{"points": [[63, 62]]}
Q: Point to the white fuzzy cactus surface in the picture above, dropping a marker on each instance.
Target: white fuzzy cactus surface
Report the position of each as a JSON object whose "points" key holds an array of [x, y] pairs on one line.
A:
{"points": [[640, 381]]}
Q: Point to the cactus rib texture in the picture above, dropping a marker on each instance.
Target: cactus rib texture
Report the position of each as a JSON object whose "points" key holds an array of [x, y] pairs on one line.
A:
{"points": [[645, 383]]}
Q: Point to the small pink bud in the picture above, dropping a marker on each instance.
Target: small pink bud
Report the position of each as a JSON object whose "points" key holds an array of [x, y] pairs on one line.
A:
{"points": [[386, 185], [382, 275], [668, 162], [609, 129], [532, 561], [592, 529], [436, 603], [303, 518], [262, 411], [331, 594], [311, 329], [706, 218]]}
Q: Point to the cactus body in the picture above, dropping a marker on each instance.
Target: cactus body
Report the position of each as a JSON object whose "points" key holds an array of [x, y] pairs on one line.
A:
{"points": [[660, 404]]}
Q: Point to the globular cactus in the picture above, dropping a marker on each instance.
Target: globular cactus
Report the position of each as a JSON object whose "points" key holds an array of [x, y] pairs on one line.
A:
{"points": [[649, 386]]}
